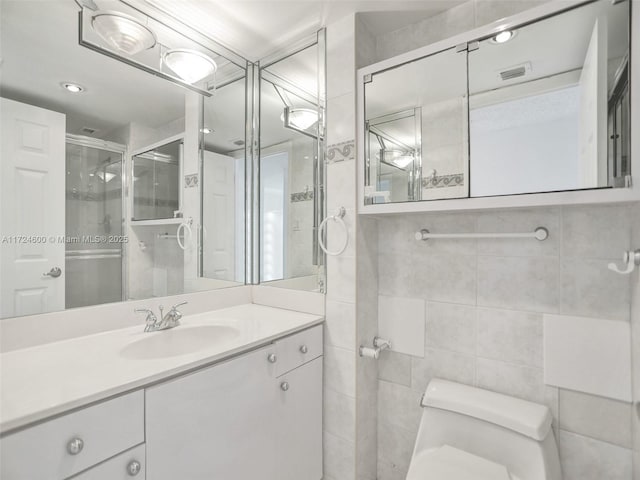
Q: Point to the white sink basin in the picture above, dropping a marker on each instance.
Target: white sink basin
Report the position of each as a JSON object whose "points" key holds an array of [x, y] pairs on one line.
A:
{"points": [[180, 340]]}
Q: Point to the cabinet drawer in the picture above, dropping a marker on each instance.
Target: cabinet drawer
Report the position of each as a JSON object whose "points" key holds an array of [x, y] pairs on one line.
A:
{"points": [[298, 349], [118, 468], [105, 430]]}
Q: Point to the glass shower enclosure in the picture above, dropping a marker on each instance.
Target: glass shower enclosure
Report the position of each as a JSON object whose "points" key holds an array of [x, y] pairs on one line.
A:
{"points": [[94, 243]]}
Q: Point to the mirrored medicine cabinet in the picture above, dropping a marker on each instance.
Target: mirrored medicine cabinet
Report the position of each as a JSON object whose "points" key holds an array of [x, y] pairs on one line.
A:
{"points": [[541, 106]]}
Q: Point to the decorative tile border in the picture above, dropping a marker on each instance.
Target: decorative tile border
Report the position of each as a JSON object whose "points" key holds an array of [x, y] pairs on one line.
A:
{"points": [[442, 181], [302, 196], [191, 181], [339, 152]]}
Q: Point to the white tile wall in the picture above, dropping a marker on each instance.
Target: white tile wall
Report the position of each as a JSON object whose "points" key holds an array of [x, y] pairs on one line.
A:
{"points": [[485, 302], [589, 355], [485, 299]]}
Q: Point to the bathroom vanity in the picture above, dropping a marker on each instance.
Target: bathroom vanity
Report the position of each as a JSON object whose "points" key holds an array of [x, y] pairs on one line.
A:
{"points": [[170, 404]]}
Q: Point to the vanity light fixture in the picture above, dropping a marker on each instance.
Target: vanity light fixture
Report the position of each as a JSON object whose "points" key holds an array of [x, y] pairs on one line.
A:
{"points": [[123, 32], [206, 130], [300, 118], [72, 87], [190, 65], [504, 36]]}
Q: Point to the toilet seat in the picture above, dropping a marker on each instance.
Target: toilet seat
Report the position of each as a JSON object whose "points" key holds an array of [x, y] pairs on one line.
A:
{"points": [[449, 463]]}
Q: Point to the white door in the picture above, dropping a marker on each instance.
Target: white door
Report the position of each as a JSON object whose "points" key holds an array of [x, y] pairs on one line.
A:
{"points": [[218, 216], [32, 209], [215, 424], [300, 423]]}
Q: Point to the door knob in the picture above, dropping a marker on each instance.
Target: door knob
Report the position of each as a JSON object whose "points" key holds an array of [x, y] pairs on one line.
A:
{"points": [[55, 272]]}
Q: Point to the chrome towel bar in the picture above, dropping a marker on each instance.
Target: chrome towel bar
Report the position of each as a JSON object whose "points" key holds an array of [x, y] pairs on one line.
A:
{"points": [[539, 233]]}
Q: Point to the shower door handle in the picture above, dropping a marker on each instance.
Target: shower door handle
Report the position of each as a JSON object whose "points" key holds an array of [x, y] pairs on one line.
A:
{"points": [[55, 272]]}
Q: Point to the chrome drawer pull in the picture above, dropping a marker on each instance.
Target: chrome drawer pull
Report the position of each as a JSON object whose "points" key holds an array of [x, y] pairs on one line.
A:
{"points": [[304, 349], [134, 468], [75, 446], [284, 386], [272, 358]]}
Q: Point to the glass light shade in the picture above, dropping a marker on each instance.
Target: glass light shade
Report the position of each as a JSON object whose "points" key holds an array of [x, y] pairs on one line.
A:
{"points": [[122, 32], [190, 65], [398, 158], [301, 118]]}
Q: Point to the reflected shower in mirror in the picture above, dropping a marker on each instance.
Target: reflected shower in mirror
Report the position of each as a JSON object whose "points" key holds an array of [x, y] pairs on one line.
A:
{"points": [[291, 173], [549, 104]]}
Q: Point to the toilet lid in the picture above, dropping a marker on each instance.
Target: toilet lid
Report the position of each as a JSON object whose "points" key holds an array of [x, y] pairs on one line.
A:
{"points": [[449, 463]]}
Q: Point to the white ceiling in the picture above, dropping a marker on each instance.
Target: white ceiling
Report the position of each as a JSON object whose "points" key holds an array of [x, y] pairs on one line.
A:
{"points": [[256, 28]]}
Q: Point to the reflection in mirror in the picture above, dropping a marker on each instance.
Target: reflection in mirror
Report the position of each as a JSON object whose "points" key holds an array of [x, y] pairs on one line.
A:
{"points": [[156, 182], [291, 201], [548, 114], [223, 184], [72, 121], [416, 127], [394, 142]]}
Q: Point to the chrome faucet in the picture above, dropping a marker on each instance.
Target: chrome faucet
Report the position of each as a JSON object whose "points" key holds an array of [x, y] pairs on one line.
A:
{"points": [[170, 320]]}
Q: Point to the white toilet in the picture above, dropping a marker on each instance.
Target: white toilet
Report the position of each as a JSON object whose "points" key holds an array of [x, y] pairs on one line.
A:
{"points": [[468, 433]]}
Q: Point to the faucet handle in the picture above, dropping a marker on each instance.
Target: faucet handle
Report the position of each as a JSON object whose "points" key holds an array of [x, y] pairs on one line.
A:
{"points": [[151, 319], [148, 311], [175, 307]]}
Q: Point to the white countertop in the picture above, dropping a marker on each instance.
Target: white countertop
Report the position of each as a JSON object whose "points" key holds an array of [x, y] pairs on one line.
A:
{"points": [[49, 379]]}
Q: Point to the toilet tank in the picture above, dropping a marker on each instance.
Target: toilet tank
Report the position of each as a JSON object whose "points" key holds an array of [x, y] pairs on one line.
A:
{"points": [[500, 428]]}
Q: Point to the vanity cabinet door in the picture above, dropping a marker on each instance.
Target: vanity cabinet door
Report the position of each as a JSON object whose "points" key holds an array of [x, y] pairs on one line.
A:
{"points": [[216, 423], [300, 427]]}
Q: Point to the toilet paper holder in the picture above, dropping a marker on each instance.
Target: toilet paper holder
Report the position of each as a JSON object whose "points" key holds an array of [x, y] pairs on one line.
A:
{"points": [[379, 344]]}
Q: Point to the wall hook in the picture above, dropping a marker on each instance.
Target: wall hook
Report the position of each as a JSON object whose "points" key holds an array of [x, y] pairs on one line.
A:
{"points": [[631, 258]]}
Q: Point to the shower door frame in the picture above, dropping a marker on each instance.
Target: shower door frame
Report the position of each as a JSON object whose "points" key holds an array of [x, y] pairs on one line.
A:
{"points": [[120, 149]]}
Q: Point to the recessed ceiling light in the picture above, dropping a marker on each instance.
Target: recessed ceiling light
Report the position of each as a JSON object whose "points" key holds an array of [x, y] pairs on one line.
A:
{"points": [[206, 130], [72, 87], [123, 32], [503, 37], [190, 65]]}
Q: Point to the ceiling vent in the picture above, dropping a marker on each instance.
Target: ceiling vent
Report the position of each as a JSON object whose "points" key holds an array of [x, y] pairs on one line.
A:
{"points": [[515, 71], [88, 130]]}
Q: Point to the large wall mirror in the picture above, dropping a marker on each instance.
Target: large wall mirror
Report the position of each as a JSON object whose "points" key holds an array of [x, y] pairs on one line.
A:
{"points": [[541, 107], [115, 184], [291, 171]]}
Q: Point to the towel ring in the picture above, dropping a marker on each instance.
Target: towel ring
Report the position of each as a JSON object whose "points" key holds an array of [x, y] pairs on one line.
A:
{"points": [[187, 229], [338, 218]]}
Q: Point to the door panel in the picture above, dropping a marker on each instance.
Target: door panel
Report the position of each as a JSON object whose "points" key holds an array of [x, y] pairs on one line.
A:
{"points": [[214, 424], [32, 219], [300, 426]]}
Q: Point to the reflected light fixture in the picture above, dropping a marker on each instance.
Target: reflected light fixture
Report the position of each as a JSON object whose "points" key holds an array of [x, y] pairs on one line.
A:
{"points": [[106, 176], [123, 32], [72, 87], [504, 36], [398, 158], [301, 118], [190, 65], [206, 130]]}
